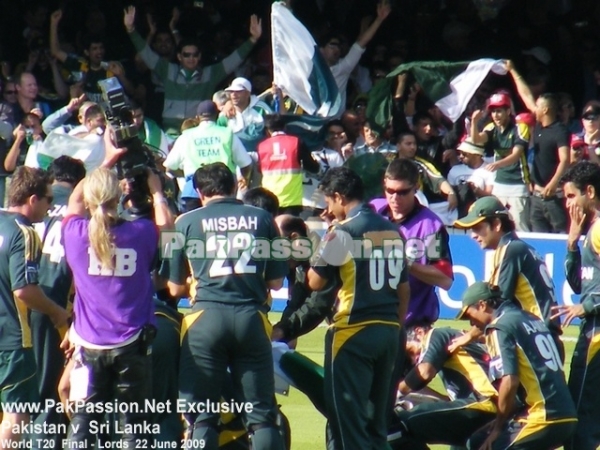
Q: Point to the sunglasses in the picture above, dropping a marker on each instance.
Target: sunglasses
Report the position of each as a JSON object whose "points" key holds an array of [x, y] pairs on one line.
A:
{"points": [[334, 44], [399, 192], [190, 54], [590, 117], [10, 92]]}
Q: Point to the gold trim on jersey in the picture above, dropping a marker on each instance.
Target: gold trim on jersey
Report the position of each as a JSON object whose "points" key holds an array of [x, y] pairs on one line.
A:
{"points": [[524, 293], [187, 323], [593, 348], [536, 412], [266, 323], [340, 337], [463, 363], [32, 253], [346, 293]]}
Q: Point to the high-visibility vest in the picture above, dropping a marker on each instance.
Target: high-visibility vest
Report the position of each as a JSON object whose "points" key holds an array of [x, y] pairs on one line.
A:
{"points": [[281, 170]]}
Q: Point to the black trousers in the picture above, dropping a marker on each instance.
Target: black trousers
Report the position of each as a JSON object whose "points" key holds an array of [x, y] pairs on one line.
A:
{"points": [[123, 375]]}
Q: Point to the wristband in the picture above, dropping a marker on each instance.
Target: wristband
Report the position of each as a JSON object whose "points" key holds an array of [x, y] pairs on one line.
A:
{"points": [[161, 200], [175, 31], [415, 381]]}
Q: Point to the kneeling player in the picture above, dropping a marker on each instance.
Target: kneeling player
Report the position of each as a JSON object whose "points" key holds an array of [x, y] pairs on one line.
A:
{"points": [[527, 367], [464, 374]]}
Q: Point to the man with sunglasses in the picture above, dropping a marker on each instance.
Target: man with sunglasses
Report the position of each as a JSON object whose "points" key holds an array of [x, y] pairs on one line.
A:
{"points": [[188, 83], [428, 251]]}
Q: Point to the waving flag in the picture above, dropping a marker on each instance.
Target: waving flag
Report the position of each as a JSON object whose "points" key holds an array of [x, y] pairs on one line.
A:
{"points": [[449, 85]]}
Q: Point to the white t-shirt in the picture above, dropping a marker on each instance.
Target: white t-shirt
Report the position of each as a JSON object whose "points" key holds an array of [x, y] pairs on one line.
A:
{"points": [[480, 177], [327, 159]]}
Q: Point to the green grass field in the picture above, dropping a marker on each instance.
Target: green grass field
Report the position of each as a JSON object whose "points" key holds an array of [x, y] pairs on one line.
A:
{"points": [[308, 425]]}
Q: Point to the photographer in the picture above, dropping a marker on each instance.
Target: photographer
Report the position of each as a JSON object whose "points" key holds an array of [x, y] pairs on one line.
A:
{"points": [[111, 261]]}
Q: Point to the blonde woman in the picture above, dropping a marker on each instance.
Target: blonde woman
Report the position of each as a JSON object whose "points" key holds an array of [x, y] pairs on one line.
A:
{"points": [[111, 260]]}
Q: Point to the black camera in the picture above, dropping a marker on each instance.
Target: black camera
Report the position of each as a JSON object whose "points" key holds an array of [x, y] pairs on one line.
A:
{"points": [[133, 165]]}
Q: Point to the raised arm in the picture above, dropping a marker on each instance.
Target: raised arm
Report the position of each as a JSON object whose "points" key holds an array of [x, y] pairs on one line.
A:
{"points": [[383, 10], [54, 43], [522, 87]]}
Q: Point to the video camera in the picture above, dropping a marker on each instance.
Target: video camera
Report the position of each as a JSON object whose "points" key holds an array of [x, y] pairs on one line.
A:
{"points": [[133, 165]]}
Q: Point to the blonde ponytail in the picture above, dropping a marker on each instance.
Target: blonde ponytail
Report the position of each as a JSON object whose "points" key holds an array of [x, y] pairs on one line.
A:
{"points": [[101, 193]]}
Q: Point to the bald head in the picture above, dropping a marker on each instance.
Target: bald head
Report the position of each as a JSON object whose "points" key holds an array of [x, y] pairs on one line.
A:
{"points": [[291, 226]]}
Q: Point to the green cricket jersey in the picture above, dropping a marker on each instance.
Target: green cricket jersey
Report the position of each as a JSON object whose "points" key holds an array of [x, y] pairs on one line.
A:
{"points": [[19, 265], [522, 276], [367, 281], [503, 143], [55, 276], [520, 344], [465, 372], [227, 248]]}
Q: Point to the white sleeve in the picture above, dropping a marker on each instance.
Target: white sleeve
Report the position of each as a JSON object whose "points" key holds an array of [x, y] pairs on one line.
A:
{"points": [[174, 160], [452, 176], [335, 160], [347, 64], [240, 156]]}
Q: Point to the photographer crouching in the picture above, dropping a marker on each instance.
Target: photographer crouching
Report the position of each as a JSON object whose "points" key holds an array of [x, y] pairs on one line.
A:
{"points": [[113, 328]]}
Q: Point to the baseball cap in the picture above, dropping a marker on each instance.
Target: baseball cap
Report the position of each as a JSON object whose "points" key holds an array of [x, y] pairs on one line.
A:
{"points": [[482, 209], [239, 84], [499, 100], [207, 108], [539, 53], [526, 118], [577, 141], [468, 147], [477, 291]]}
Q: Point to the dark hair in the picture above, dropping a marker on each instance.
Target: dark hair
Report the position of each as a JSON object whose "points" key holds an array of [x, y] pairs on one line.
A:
{"points": [[402, 170], [30, 115], [343, 181], [187, 43], [582, 175], [92, 112], [551, 101], [494, 302], [293, 224], [404, 134], [25, 182], [419, 116], [334, 123], [214, 179], [274, 122], [262, 198], [506, 223], [67, 169], [134, 105], [326, 38], [90, 39]]}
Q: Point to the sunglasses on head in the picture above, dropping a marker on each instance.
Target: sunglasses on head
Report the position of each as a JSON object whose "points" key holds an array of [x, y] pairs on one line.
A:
{"points": [[399, 192], [190, 54]]}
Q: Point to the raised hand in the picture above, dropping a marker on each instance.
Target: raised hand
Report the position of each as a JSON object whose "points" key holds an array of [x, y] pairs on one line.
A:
{"points": [[129, 18], [151, 24], [55, 17], [255, 28], [174, 19], [383, 10]]}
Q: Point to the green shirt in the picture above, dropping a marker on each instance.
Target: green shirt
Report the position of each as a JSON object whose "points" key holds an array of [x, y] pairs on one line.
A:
{"points": [[19, 265], [55, 276], [522, 276], [520, 344], [503, 143], [367, 280], [465, 372], [219, 248]]}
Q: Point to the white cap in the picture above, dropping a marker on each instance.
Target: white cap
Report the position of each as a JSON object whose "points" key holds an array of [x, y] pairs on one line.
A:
{"points": [[539, 53], [239, 84]]}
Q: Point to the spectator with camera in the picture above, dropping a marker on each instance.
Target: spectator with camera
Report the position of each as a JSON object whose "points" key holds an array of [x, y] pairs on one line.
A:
{"points": [[29, 137], [111, 260]]}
